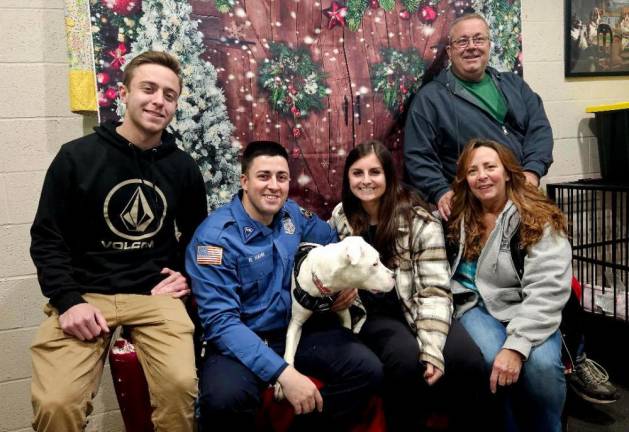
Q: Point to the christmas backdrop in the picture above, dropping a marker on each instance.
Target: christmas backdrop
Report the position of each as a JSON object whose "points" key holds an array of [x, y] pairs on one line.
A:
{"points": [[317, 76]]}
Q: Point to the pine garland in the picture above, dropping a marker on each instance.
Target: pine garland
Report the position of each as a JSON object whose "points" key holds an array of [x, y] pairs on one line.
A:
{"points": [[397, 77], [224, 6], [111, 32], [411, 5], [387, 5], [503, 17], [294, 83], [355, 11]]}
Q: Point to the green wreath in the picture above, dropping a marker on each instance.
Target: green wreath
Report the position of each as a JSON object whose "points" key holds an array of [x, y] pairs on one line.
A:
{"points": [[295, 84], [397, 77]]}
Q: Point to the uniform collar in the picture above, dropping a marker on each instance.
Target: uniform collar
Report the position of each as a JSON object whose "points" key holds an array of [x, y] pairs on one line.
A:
{"points": [[248, 227]]}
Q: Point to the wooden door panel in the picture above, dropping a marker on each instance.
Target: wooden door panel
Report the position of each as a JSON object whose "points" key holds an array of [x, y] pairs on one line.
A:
{"points": [[239, 42]]}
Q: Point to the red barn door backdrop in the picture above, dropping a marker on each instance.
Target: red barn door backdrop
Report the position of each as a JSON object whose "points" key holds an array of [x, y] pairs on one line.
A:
{"points": [[317, 76]]}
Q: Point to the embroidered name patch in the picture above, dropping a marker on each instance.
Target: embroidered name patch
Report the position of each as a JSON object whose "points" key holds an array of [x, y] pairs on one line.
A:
{"points": [[209, 255]]}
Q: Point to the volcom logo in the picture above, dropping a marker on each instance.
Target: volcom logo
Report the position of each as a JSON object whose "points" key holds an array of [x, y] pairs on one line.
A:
{"points": [[137, 215], [135, 209]]}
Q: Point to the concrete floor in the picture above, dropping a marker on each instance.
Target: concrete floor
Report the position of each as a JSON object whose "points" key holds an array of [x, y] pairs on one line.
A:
{"points": [[586, 417], [605, 339]]}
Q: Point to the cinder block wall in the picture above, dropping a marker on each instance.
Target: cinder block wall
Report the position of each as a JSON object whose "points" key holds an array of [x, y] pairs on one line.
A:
{"points": [[576, 151], [35, 120]]}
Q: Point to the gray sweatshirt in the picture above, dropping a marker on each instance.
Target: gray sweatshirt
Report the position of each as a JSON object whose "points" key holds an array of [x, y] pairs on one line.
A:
{"points": [[531, 306]]}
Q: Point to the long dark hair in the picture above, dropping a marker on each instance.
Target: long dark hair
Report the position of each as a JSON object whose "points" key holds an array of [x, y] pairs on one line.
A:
{"points": [[396, 204], [536, 211]]}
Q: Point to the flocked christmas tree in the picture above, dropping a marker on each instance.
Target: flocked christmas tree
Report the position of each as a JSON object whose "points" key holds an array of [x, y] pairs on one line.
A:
{"points": [[202, 126]]}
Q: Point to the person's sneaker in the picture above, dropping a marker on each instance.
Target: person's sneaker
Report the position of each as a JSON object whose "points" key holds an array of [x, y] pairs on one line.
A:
{"points": [[590, 381]]}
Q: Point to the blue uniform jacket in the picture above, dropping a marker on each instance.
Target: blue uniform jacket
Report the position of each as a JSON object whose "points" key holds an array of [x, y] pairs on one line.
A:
{"points": [[241, 278]]}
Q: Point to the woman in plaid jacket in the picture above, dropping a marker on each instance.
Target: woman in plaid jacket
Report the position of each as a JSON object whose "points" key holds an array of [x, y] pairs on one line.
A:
{"points": [[407, 327]]}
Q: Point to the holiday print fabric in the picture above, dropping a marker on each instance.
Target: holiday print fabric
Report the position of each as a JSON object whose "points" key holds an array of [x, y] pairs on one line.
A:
{"points": [[318, 76]]}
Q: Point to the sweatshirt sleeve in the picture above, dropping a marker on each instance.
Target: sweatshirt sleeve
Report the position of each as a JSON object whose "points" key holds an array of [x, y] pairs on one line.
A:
{"points": [[423, 166], [192, 212], [50, 233], [546, 288]]}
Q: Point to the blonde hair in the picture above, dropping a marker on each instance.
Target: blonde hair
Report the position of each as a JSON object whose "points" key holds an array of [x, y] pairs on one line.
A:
{"points": [[152, 57]]}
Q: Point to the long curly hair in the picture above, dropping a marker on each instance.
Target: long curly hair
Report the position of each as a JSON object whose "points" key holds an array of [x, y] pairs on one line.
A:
{"points": [[396, 203], [536, 211]]}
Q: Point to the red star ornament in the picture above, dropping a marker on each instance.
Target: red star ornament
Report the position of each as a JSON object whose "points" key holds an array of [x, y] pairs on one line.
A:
{"points": [[336, 13]]}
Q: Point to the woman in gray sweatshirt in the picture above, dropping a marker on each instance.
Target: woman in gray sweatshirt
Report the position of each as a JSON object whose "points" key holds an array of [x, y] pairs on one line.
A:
{"points": [[512, 316]]}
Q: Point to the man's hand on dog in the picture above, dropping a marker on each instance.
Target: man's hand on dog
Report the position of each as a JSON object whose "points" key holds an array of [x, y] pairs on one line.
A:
{"points": [[432, 374], [345, 299], [300, 391]]}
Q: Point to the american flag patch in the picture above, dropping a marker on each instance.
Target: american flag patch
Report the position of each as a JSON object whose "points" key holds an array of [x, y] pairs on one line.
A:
{"points": [[209, 255]]}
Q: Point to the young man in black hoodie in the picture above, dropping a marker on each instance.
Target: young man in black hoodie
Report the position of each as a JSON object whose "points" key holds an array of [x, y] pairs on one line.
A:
{"points": [[107, 253]]}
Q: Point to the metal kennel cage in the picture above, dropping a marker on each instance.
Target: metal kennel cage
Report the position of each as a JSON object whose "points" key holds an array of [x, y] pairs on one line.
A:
{"points": [[598, 218]]}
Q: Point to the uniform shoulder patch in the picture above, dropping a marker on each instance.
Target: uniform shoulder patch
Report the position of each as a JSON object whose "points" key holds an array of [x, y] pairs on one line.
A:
{"points": [[209, 255], [306, 213], [289, 226]]}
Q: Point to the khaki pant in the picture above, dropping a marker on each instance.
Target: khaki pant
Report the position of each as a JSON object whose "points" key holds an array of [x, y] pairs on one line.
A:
{"points": [[67, 372]]}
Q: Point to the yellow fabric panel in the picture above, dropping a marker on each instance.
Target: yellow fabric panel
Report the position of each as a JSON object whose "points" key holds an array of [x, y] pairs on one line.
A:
{"points": [[82, 91]]}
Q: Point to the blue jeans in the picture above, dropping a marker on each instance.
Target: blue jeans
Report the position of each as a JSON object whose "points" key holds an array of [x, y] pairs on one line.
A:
{"points": [[536, 401]]}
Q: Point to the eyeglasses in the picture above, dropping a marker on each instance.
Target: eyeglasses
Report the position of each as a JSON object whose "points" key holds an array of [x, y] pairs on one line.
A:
{"points": [[463, 42]]}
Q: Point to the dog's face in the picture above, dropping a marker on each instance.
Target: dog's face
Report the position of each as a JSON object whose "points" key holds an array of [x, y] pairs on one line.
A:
{"points": [[359, 266]]}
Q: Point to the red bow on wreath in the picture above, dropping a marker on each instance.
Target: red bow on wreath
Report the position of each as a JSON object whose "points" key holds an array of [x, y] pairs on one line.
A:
{"points": [[117, 55]]}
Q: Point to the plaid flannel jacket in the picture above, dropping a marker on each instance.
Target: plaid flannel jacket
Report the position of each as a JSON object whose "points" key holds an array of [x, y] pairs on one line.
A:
{"points": [[422, 282]]}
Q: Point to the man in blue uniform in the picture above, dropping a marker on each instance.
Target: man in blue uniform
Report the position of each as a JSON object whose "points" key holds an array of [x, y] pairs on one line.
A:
{"points": [[240, 261]]}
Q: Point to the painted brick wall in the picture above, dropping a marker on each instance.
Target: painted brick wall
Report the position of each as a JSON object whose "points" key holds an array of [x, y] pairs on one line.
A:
{"points": [[35, 120]]}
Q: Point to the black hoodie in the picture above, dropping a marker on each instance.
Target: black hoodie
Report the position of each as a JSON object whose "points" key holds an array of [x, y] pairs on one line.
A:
{"points": [[107, 216]]}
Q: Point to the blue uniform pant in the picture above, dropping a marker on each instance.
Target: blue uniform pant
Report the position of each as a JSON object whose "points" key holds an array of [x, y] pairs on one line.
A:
{"points": [[536, 401], [230, 394]]}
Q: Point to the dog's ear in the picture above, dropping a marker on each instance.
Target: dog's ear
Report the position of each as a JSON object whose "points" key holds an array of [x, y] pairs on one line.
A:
{"points": [[354, 252]]}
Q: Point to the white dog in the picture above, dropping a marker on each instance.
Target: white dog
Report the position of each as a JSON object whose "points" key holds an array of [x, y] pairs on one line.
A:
{"points": [[320, 273]]}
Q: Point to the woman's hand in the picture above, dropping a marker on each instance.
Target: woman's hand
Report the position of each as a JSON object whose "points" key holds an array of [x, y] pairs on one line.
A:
{"points": [[432, 374], [506, 369]]}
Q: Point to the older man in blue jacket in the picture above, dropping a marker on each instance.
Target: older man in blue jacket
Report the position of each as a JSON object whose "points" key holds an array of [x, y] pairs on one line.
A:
{"points": [[472, 100]]}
